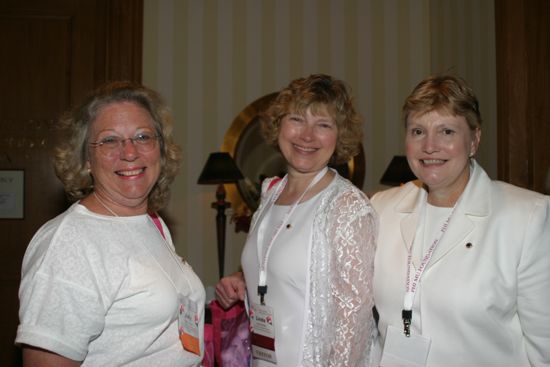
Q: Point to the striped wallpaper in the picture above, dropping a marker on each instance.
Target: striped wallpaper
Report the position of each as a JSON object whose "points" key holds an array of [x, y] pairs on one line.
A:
{"points": [[211, 58]]}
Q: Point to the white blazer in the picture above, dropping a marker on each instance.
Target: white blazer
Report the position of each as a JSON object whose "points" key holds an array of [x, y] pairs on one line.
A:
{"points": [[484, 298]]}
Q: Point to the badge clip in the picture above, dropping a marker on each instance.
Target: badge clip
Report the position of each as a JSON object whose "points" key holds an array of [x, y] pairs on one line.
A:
{"points": [[262, 290], [407, 317]]}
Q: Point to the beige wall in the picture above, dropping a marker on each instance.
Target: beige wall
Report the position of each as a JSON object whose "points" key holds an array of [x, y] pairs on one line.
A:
{"points": [[211, 58]]}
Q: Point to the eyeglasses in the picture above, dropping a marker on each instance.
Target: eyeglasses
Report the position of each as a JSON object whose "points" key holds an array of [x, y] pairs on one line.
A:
{"points": [[110, 146]]}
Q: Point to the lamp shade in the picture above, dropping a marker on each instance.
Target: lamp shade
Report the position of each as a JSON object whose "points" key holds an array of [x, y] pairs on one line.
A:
{"points": [[398, 172], [219, 168]]}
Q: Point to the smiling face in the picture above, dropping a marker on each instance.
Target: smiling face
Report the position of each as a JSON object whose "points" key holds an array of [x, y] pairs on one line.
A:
{"points": [[126, 178], [307, 141], [438, 147]]}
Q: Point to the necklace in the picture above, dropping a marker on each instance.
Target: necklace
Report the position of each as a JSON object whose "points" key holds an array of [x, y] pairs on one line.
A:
{"points": [[104, 205]]}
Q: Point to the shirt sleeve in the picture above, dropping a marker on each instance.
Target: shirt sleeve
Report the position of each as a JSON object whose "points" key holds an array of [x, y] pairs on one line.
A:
{"points": [[352, 235], [61, 311], [534, 285]]}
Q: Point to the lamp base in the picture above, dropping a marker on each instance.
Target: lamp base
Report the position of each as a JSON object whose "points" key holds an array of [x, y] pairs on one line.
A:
{"points": [[220, 205]]}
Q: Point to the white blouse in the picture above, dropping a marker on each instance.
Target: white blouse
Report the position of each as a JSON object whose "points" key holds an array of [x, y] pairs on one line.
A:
{"points": [[336, 254], [286, 276]]}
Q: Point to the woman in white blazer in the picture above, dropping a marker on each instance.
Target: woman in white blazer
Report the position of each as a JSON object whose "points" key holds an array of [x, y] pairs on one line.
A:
{"points": [[462, 269]]}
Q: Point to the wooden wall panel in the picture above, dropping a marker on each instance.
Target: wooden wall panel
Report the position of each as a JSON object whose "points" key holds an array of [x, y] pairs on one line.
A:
{"points": [[54, 53], [523, 80]]}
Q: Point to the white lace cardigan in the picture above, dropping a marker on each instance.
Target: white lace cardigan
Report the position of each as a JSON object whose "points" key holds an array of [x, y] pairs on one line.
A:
{"points": [[339, 325]]}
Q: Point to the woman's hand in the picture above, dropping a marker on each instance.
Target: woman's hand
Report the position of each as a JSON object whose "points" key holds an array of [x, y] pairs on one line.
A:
{"points": [[230, 289]]}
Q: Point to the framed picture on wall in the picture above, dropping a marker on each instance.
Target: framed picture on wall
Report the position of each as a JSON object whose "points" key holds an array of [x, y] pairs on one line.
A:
{"points": [[12, 192]]}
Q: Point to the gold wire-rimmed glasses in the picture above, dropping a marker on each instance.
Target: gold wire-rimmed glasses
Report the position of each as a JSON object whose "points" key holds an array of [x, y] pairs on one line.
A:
{"points": [[111, 146]]}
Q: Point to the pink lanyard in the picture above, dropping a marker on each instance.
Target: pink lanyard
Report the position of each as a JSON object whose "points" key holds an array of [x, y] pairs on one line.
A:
{"points": [[262, 283], [412, 284], [156, 220]]}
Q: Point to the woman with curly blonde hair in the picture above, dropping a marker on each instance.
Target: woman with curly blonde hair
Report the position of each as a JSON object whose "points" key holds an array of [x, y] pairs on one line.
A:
{"points": [[314, 93], [72, 155], [102, 283], [308, 258]]}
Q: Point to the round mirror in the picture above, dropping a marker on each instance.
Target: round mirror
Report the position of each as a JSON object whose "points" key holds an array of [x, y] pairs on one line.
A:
{"points": [[258, 160]]}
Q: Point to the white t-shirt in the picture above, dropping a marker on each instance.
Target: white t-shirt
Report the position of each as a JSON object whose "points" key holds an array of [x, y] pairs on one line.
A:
{"points": [[106, 291], [287, 270]]}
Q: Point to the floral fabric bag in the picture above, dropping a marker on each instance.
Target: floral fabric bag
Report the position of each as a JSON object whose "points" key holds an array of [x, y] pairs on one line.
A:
{"points": [[231, 335]]}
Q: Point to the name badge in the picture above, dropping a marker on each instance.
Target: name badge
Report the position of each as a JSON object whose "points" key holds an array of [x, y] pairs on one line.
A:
{"points": [[263, 332], [404, 351], [188, 326]]}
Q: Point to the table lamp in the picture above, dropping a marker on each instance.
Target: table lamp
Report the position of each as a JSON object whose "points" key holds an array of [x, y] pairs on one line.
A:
{"points": [[220, 168], [398, 172]]}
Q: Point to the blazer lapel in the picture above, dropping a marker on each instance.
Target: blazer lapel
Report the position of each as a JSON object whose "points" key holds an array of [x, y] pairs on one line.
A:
{"points": [[409, 208], [459, 228], [474, 202]]}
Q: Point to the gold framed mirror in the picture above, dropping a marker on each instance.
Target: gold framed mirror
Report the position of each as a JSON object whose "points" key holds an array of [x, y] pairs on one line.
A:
{"points": [[258, 160]]}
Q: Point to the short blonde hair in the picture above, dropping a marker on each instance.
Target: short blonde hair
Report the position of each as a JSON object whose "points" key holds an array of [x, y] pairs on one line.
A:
{"points": [[446, 93], [75, 125], [317, 92]]}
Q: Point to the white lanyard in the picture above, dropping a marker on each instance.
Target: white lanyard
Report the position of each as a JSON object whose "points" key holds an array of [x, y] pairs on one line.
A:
{"points": [[262, 283], [411, 285]]}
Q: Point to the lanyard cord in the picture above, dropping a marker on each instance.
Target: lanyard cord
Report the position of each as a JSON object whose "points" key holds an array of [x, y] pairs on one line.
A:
{"points": [[156, 222], [411, 285], [173, 255], [262, 283]]}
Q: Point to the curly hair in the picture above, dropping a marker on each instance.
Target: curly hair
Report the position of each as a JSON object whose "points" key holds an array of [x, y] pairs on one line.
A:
{"points": [[73, 152], [447, 93], [317, 93]]}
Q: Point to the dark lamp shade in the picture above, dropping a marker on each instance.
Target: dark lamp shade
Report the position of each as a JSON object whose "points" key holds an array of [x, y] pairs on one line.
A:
{"points": [[398, 172], [219, 168]]}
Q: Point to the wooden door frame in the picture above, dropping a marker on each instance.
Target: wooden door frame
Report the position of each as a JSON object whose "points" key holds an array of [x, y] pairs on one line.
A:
{"points": [[523, 91], [123, 23]]}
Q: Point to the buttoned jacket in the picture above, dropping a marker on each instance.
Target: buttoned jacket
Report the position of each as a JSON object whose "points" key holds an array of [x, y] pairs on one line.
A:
{"points": [[484, 297]]}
